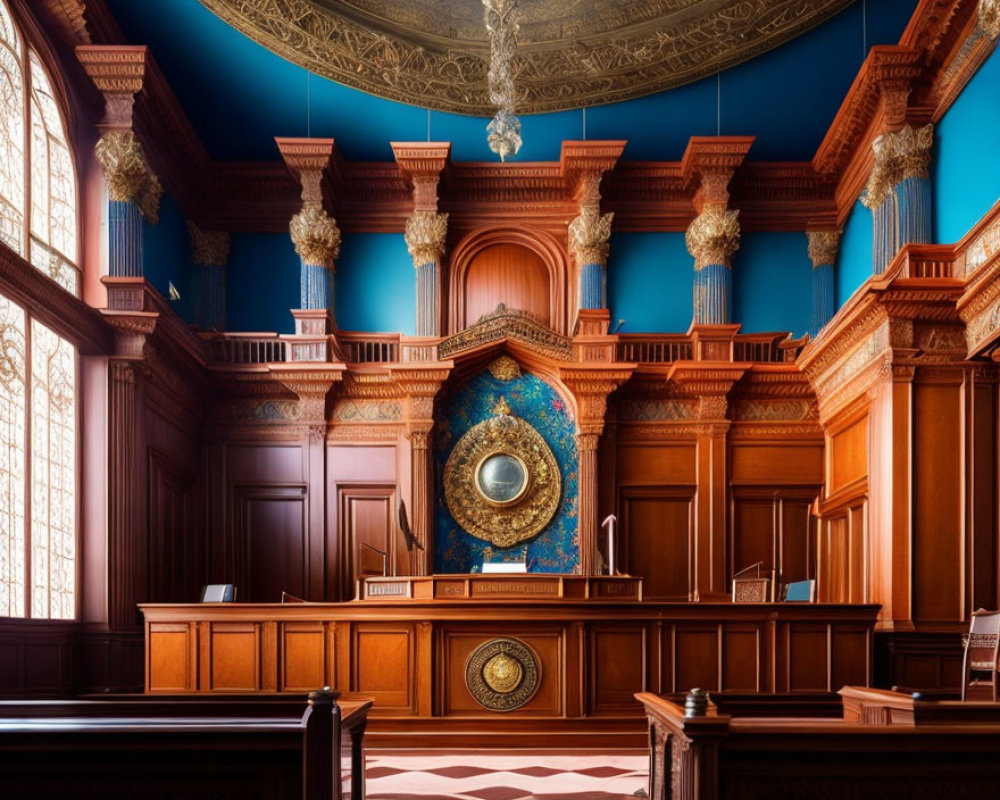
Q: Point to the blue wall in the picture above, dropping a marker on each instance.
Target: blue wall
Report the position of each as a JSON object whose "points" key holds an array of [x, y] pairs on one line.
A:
{"points": [[375, 287], [854, 265], [772, 283], [262, 282], [166, 254], [556, 548], [649, 282], [966, 176]]}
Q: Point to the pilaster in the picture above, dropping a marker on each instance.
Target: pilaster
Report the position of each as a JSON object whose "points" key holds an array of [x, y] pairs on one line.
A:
{"points": [[585, 164], [426, 230], [714, 236], [134, 191], [590, 388], [314, 232], [210, 253], [823, 249]]}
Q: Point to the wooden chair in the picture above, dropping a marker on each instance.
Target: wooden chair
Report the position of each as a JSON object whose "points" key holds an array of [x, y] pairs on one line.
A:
{"points": [[982, 647]]}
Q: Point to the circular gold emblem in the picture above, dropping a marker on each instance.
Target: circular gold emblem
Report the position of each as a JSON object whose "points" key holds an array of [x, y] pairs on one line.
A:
{"points": [[501, 481], [502, 674]]}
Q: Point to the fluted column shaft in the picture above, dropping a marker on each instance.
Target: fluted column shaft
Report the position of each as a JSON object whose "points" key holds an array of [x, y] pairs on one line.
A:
{"points": [[587, 447], [823, 249], [124, 239], [122, 524]]}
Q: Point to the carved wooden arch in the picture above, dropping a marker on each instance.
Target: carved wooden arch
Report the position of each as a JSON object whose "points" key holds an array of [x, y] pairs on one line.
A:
{"points": [[551, 252]]}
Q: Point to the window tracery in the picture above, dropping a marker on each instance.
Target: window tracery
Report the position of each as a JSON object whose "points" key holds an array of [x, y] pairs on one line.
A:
{"points": [[45, 192]]}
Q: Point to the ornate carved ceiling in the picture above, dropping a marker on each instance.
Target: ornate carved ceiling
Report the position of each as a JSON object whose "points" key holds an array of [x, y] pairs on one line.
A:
{"points": [[572, 53]]}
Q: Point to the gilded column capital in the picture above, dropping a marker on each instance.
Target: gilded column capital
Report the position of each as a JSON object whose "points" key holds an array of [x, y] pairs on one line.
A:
{"points": [[713, 237], [989, 18], [901, 154], [823, 247], [127, 172], [316, 237], [589, 235], [425, 236], [210, 248]]}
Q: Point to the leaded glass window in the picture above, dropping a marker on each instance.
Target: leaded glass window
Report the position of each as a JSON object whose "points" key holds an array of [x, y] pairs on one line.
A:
{"points": [[45, 192], [37, 405]]}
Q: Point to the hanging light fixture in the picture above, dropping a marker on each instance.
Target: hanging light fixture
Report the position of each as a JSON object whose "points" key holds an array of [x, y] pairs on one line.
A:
{"points": [[504, 130]]}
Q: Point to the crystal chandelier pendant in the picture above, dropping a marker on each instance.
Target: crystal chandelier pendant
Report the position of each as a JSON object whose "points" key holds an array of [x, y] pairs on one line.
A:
{"points": [[504, 130]]}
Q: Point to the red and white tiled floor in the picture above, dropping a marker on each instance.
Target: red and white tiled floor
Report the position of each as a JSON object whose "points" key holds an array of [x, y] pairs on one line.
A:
{"points": [[522, 775]]}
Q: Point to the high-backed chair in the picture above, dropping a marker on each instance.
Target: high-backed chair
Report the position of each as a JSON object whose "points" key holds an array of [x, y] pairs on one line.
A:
{"points": [[982, 647]]}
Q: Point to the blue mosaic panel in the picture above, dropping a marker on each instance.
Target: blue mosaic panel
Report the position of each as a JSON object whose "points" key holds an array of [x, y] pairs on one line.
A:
{"points": [[556, 548]]}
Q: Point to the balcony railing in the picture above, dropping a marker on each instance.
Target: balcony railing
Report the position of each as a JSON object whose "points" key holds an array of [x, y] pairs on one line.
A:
{"points": [[246, 348]]}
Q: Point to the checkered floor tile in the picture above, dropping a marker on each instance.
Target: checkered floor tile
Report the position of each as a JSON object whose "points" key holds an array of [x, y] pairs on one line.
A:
{"points": [[398, 775]]}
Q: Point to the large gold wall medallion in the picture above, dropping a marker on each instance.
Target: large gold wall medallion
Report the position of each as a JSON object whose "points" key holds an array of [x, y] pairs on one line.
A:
{"points": [[502, 674], [502, 482]]}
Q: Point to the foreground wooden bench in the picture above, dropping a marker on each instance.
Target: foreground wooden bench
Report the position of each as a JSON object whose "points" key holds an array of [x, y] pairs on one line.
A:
{"points": [[223, 748]]}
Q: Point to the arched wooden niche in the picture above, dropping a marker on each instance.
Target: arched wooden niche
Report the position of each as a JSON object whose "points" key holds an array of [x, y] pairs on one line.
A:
{"points": [[521, 268]]}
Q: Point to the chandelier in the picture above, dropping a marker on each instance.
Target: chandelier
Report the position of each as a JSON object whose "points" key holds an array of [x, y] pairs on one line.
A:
{"points": [[504, 130]]}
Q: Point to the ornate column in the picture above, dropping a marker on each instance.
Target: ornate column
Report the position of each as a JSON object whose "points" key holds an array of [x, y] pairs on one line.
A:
{"points": [[133, 190], [426, 229], [591, 388], [420, 386], [823, 249], [714, 235], [898, 190], [585, 163], [210, 253], [989, 18], [314, 233]]}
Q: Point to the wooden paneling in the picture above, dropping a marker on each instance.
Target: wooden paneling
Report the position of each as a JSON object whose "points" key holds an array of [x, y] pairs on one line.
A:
{"points": [[366, 521], [807, 668], [234, 664], [272, 537], [776, 463], [848, 455], [754, 533], [696, 658], [656, 536], [383, 665], [304, 653], [938, 502], [618, 664], [983, 501], [662, 463], [509, 274], [170, 657], [174, 554], [742, 655]]}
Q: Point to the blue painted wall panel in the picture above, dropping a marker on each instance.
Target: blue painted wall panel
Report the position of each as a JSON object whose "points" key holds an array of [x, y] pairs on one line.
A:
{"points": [[262, 282], [772, 283], [649, 282], [375, 287], [167, 259], [854, 266], [966, 180]]}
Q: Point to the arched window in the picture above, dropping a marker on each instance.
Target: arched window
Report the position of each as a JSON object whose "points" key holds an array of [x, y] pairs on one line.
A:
{"points": [[45, 194], [38, 367]]}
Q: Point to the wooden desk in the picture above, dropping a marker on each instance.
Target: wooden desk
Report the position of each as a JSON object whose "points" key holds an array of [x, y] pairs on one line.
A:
{"points": [[410, 655], [191, 748]]}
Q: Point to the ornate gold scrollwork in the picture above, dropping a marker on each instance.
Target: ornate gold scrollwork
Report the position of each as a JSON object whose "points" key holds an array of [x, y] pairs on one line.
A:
{"points": [[502, 674], [501, 481]]}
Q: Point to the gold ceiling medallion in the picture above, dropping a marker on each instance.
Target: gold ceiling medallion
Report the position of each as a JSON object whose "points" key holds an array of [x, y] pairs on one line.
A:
{"points": [[501, 482], [502, 674], [570, 54]]}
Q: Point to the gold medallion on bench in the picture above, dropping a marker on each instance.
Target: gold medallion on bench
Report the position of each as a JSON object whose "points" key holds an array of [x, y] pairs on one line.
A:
{"points": [[502, 674], [502, 482]]}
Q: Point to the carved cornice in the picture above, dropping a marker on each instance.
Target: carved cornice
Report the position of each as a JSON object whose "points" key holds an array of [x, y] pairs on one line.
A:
{"points": [[709, 382], [709, 163], [590, 388], [508, 324], [422, 164]]}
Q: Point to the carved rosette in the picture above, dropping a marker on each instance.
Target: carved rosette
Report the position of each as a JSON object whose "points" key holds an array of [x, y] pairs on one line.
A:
{"points": [[425, 236], [316, 237], [823, 247], [128, 174], [589, 233], [713, 237], [210, 248], [989, 17], [901, 154]]}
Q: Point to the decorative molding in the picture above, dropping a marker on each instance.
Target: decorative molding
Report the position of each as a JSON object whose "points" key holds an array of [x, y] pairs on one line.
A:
{"points": [[713, 237], [901, 154], [589, 234], [316, 237], [508, 324], [425, 236], [989, 18], [209, 248]]}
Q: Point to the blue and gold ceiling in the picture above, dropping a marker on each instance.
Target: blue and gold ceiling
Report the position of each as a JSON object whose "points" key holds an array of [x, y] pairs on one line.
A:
{"points": [[239, 95]]}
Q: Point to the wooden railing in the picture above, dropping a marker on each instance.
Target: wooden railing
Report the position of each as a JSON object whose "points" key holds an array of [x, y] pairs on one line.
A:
{"points": [[369, 348], [759, 347], [246, 348], [653, 349]]}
